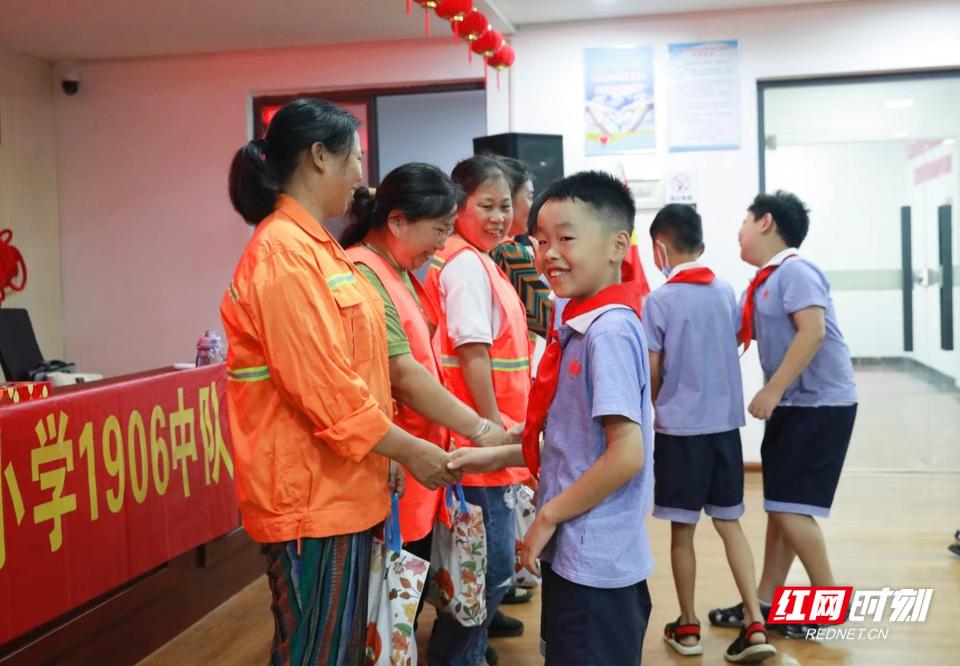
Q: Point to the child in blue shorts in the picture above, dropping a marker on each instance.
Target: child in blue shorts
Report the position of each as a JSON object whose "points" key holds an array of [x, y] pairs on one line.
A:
{"points": [[809, 399], [593, 392], [691, 325]]}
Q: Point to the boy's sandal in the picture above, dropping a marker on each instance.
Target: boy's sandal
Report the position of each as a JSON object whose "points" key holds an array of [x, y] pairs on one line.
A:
{"points": [[674, 631], [954, 548], [741, 651], [727, 617], [956, 538]]}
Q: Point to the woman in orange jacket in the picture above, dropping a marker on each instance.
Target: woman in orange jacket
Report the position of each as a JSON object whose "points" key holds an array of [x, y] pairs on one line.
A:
{"points": [[309, 393]]}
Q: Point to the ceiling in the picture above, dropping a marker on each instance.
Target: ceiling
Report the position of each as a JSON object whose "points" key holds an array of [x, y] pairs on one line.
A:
{"points": [[521, 12], [60, 30]]}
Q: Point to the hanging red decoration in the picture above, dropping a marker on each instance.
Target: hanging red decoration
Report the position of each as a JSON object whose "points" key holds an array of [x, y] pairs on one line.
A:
{"points": [[488, 43], [501, 60], [427, 6], [12, 265], [454, 10], [473, 26]]}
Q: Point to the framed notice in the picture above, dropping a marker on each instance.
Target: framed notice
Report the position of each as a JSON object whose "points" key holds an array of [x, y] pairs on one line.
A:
{"points": [[703, 111]]}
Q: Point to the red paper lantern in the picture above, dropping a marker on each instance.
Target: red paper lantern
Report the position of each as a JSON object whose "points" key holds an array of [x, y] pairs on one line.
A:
{"points": [[503, 58], [454, 10], [488, 43], [473, 26]]}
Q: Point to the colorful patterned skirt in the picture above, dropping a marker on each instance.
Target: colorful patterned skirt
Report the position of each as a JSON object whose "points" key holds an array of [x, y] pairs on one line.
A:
{"points": [[319, 599]]}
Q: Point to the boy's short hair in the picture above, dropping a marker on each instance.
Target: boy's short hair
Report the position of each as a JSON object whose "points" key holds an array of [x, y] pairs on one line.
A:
{"points": [[682, 226], [788, 212], [608, 197]]}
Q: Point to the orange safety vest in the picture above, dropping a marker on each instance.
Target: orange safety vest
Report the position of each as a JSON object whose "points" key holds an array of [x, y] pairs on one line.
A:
{"points": [[509, 355], [418, 506]]}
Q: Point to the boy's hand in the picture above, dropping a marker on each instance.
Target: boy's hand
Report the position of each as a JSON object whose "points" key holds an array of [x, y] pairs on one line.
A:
{"points": [[515, 434], [763, 404], [535, 541], [475, 460]]}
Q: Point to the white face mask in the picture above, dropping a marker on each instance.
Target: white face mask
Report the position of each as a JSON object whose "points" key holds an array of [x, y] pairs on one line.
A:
{"points": [[663, 256]]}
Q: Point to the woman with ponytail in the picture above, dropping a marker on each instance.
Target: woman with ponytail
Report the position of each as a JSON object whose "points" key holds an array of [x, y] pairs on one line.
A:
{"points": [[394, 232], [309, 386]]}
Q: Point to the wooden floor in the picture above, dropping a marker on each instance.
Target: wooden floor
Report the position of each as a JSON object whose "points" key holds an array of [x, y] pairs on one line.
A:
{"points": [[887, 530]]}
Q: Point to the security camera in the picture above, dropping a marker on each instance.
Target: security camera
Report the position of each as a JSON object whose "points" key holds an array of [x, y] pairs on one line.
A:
{"points": [[70, 86], [69, 77]]}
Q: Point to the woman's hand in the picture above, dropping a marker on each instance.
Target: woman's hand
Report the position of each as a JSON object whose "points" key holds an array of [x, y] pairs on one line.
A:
{"points": [[396, 479], [495, 435], [428, 465]]}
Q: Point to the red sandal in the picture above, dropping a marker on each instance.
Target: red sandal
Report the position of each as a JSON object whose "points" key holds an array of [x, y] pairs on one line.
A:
{"points": [[674, 631], [742, 651]]}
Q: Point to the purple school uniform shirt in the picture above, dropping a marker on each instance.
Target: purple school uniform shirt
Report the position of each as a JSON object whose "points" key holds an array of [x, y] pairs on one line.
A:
{"points": [[694, 329], [604, 371], [796, 285]]}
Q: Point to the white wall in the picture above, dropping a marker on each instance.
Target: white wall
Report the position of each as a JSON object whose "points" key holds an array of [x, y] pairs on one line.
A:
{"points": [[547, 96], [149, 238], [28, 192]]}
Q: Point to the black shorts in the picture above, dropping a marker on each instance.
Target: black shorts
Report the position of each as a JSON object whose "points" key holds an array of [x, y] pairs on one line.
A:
{"points": [[802, 452], [592, 626], [698, 472]]}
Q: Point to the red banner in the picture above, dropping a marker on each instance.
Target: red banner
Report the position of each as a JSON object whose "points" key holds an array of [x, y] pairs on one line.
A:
{"points": [[101, 484]]}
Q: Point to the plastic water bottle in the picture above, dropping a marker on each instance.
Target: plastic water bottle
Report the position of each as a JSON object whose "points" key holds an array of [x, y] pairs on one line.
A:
{"points": [[210, 349]]}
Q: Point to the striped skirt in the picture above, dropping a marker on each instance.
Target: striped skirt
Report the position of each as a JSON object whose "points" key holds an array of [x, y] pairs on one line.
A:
{"points": [[319, 599]]}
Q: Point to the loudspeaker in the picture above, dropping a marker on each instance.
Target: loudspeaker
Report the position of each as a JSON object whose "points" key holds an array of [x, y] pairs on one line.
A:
{"points": [[543, 153]]}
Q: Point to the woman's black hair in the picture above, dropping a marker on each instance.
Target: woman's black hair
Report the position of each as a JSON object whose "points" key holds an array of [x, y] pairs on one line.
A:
{"points": [[517, 173], [262, 167], [474, 171], [419, 191]]}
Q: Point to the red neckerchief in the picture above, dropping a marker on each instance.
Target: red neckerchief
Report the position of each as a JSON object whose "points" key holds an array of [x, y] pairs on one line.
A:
{"points": [[745, 334], [695, 275], [548, 372]]}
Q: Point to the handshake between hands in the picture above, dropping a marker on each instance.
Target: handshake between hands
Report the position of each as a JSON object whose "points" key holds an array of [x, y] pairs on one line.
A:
{"points": [[495, 449], [433, 467]]}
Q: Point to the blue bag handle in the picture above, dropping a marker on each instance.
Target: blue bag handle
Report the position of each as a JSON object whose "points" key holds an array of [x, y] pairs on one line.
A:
{"points": [[391, 527], [459, 490]]}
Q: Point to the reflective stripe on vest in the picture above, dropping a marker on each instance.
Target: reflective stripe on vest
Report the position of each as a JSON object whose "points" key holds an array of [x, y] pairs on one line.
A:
{"points": [[496, 364], [257, 374], [335, 281]]}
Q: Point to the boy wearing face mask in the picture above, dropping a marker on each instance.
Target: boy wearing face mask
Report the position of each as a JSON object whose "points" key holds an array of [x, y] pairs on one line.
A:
{"points": [[691, 326]]}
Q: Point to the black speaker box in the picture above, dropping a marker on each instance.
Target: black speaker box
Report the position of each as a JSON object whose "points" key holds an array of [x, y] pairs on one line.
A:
{"points": [[543, 153]]}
